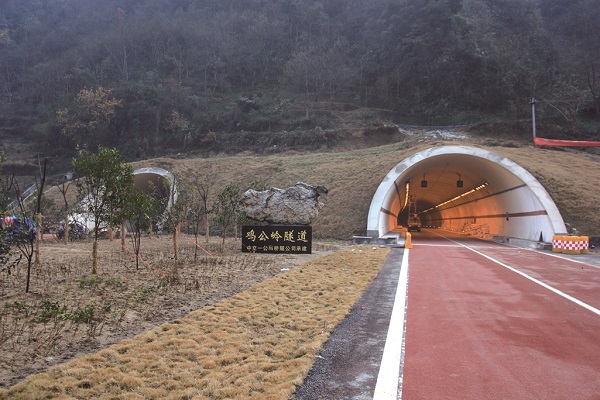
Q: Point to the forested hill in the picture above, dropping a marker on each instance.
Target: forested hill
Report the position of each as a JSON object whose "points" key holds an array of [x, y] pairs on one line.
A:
{"points": [[147, 75]]}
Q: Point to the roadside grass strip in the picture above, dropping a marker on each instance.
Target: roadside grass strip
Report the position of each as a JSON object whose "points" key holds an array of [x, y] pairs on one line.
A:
{"points": [[260, 343]]}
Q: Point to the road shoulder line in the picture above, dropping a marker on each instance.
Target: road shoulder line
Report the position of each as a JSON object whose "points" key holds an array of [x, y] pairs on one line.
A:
{"points": [[389, 379]]}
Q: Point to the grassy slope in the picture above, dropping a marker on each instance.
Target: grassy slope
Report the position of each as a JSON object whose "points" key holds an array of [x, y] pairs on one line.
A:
{"points": [[572, 178]]}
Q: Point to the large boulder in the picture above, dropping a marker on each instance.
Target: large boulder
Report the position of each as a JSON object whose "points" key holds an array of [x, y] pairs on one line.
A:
{"points": [[296, 205]]}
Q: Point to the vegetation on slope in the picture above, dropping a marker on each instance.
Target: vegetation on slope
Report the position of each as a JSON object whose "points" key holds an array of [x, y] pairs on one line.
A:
{"points": [[151, 76]]}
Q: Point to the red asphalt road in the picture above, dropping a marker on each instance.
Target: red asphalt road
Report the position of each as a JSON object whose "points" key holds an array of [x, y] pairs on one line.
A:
{"points": [[477, 330]]}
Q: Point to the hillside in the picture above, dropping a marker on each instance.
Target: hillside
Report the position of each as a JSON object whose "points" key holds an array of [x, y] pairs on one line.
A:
{"points": [[351, 162], [154, 77], [268, 83], [352, 176]]}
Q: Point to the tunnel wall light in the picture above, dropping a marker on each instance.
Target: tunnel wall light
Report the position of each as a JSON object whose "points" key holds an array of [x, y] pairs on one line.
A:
{"points": [[424, 182]]}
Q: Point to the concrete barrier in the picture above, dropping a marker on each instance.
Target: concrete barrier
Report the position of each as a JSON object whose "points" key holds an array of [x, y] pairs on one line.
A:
{"points": [[584, 244], [557, 243], [571, 245]]}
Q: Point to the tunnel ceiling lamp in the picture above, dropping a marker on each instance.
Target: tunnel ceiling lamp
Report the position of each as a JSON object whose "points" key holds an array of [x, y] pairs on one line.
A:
{"points": [[424, 182], [483, 185], [459, 182]]}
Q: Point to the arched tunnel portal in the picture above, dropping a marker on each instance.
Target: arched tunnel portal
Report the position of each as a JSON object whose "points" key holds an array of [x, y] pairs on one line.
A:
{"points": [[158, 182], [154, 181], [458, 187]]}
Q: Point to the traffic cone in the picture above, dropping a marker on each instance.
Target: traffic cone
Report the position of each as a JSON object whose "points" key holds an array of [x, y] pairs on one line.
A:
{"points": [[408, 244]]}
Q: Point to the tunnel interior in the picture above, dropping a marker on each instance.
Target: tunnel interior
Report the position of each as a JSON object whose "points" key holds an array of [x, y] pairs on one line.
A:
{"points": [[465, 189], [152, 183]]}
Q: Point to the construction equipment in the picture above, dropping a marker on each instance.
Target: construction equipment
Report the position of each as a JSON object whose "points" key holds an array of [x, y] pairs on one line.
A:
{"points": [[414, 221]]}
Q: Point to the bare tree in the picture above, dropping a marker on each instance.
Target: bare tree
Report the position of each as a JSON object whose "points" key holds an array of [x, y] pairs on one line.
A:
{"points": [[38, 217], [195, 206], [172, 216], [64, 188], [226, 214], [22, 230], [139, 208], [204, 192]]}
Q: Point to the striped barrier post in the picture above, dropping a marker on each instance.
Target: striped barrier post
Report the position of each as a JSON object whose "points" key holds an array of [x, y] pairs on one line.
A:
{"points": [[557, 243], [571, 245], [584, 245]]}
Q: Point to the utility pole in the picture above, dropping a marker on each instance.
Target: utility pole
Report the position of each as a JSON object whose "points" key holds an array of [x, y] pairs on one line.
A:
{"points": [[532, 101]]}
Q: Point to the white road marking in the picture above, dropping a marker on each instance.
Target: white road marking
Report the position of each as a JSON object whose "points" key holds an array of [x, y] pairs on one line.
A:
{"points": [[562, 257], [434, 245], [388, 384], [545, 285], [457, 245]]}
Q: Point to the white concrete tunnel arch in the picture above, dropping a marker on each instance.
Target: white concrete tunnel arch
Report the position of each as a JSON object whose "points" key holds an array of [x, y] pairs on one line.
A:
{"points": [[510, 202], [157, 181]]}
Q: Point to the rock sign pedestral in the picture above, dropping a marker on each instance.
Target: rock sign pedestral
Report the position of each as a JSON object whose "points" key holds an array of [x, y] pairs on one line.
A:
{"points": [[296, 205]]}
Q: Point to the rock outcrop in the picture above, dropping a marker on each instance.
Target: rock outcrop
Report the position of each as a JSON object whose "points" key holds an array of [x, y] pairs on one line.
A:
{"points": [[296, 205]]}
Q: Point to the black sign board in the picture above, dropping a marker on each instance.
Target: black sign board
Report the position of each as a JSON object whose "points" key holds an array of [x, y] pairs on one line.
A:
{"points": [[284, 239]]}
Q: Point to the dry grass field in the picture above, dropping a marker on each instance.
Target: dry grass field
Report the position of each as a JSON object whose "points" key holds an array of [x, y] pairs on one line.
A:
{"points": [[251, 338], [71, 312]]}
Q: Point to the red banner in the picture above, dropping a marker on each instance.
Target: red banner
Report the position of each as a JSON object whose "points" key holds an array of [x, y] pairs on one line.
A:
{"points": [[565, 143]]}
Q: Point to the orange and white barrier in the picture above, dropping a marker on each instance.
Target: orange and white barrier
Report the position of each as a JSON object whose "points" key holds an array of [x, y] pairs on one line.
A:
{"points": [[584, 244], [571, 244], [557, 243]]}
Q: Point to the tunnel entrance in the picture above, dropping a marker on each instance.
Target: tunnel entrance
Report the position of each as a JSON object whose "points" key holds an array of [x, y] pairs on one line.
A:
{"points": [[157, 182], [465, 189], [154, 181]]}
